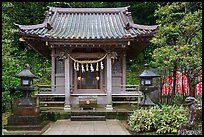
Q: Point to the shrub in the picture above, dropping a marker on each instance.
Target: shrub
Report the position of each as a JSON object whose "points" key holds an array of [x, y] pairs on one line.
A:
{"points": [[178, 99], [160, 119], [5, 101]]}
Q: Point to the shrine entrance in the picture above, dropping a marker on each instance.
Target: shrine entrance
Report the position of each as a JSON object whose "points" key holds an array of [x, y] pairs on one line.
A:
{"points": [[88, 80]]}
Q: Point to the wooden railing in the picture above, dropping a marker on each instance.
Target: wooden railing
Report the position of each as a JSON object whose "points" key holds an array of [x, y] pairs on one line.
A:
{"points": [[128, 88], [49, 88], [123, 88], [131, 91]]}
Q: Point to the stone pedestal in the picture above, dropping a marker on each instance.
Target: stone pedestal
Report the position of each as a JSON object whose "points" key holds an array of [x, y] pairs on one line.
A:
{"points": [[26, 118], [27, 111], [146, 100]]}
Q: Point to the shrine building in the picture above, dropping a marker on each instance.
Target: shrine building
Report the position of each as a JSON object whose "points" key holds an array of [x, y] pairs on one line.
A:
{"points": [[88, 49]]}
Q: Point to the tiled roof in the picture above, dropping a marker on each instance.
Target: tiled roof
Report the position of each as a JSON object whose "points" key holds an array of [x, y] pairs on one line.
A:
{"points": [[87, 23]]}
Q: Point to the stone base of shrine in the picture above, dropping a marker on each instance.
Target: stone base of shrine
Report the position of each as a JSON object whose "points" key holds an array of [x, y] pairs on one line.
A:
{"points": [[25, 123], [27, 111], [26, 118], [27, 127]]}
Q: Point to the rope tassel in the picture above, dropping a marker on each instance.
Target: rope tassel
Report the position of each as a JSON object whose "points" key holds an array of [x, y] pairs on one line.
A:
{"points": [[97, 66], [91, 67], [87, 62], [77, 66], [102, 67], [82, 68], [74, 65], [87, 67]]}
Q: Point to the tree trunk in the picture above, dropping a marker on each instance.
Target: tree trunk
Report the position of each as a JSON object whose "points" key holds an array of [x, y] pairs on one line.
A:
{"points": [[192, 90], [174, 81], [182, 85], [191, 87]]}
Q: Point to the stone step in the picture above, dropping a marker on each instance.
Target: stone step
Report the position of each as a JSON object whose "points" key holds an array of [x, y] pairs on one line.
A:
{"points": [[123, 102], [52, 102], [88, 118], [88, 113]]}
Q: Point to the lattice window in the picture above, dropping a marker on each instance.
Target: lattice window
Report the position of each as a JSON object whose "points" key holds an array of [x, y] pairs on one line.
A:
{"points": [[59, 66], [117, 67]]}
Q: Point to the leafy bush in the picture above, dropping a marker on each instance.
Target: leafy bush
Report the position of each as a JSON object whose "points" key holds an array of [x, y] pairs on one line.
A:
{"points": [[199, 97], [160, 119], [8, 98], [178, 99], [132, 78], [5, 101]]}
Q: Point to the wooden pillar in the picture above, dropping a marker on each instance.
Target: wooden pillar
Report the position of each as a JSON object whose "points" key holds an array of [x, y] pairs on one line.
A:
{"points": [[75, 81], [101, 79], [109, 83], [71, 77], [124, 70], [53, 70], [104, 80], [67, 107]]}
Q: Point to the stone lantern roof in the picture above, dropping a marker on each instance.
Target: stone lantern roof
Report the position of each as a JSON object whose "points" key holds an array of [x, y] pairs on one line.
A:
{"points": [[26, 73], [148, 73]]}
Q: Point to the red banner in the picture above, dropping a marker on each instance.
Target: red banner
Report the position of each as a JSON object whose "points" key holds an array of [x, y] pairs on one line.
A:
{"points": [[181, 84]]}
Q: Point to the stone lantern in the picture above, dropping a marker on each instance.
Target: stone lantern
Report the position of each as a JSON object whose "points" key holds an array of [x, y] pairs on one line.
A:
{"points": [[26, 114], [26, 86], [146, 86]]}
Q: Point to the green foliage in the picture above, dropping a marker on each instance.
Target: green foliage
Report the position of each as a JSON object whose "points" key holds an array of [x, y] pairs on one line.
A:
{"points": [[143, 12], [5, 117], [16, 54], [179, 39], [77, 4], [178, 99], [199, 97], [164, 119], [5, 101], [132, 79]]}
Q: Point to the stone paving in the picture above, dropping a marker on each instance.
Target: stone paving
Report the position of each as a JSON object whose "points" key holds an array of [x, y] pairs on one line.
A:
{"points": [[67, 127]]}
